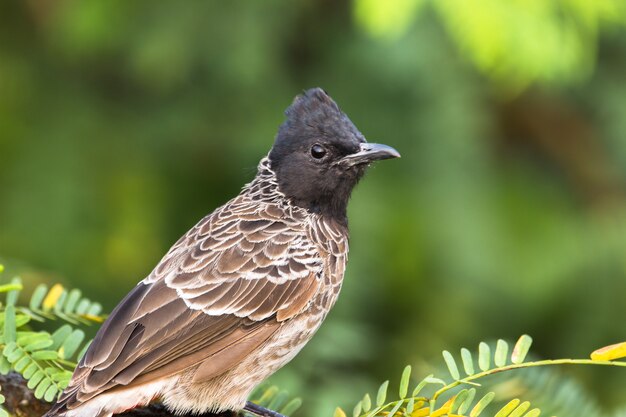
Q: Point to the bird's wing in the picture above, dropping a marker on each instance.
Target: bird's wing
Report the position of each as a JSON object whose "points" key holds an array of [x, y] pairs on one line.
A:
{"points": [[222, 290]]}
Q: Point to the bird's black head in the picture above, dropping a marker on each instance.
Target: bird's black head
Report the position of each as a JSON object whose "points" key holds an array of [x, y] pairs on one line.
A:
{"points": [[319, 155]]}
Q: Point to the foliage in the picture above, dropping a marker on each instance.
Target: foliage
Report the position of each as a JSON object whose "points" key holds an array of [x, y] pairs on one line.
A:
{"points": [[270, 396], [495, 34], [472, 400], [45, 360]]}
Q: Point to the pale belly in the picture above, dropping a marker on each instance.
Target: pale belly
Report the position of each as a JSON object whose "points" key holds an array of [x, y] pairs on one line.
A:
{"points": [[230, 390]]}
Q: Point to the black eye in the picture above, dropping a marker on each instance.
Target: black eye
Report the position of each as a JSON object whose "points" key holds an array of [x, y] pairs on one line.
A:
{"points": [[318, 151]]}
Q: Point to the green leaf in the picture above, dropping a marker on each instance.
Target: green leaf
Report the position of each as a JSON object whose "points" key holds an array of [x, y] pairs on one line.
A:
{"points": [[484, 356], [471, 393], [9, 349], [71, 344], [57, 374], [21, 364], [520, 410], [458, 400], [454, 370], [482, 404], [508, 408], [433, 380], [395, 409], [27, 338], [468, 362], [12, 295], [9, 324], [382, 393], [37, 297], [30, 370], [502, 350], [404, 381], [35, 379], [356, 412], [291, 407], [410, 405], [42, 387], [366, 402], [45, 355], [38, 345], [83, 306], [94, 309], [268, 394], [533, 413], [60, 335], [72, 299], [5, 365], [521, 349], [21, 319], [63, 383], [278, 401], [60, 302], [15, 355], [51, 393]]}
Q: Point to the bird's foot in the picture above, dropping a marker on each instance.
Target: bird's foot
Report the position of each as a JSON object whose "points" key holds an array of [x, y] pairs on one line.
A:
{"points": [[261, 411]]}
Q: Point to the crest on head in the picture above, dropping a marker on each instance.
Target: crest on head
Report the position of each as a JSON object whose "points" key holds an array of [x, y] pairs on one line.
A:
{"points": [[319, 155]]}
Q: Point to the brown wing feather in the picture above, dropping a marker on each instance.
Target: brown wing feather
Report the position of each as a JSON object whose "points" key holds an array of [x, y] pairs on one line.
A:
{"points": [[222, 290]]}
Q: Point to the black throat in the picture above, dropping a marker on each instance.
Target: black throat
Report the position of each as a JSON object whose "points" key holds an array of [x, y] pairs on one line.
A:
{"points": [[326, 195]]}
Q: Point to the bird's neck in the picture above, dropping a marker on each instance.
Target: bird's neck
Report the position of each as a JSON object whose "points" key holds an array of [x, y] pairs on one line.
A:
{"points": [[265, 188]]}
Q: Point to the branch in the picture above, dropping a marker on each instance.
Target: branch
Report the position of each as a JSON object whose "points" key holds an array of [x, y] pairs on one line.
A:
{"points": [[21, 402]]}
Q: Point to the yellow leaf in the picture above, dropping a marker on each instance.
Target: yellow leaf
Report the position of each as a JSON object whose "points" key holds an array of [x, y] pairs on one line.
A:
{"points": [[440, 412], [443, 410], [607, 353], [422, 412], [53, 296], [339, 412], [97, 319]]}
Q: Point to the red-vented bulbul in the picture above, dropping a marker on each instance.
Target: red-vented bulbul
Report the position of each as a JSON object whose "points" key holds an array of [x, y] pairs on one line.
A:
{"points": [[242, 292]]}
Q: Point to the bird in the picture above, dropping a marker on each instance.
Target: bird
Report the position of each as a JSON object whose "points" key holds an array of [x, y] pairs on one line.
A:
{"points": [[241, 293]]}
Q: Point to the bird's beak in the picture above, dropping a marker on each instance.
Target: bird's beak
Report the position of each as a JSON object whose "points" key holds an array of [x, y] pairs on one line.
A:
{"points": [[370, 152]]}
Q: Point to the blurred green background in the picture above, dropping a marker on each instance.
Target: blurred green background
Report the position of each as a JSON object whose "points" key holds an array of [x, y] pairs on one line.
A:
{"points": [[122, 123]]}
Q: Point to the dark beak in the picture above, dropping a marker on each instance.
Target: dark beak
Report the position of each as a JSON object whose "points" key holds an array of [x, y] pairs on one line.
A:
{"points": [[370, 152]]}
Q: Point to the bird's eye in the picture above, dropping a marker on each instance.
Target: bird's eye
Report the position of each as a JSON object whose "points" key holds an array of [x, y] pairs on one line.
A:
{"points": [[318, 151]]}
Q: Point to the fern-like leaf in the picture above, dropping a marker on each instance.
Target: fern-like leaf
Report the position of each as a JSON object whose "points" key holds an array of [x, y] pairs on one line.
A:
{"points": [[275, 399], [468, 362], [69, 306], [451, 363], [502, 350], [381, 396], [482, 404], [521, 349], [404, 381]]}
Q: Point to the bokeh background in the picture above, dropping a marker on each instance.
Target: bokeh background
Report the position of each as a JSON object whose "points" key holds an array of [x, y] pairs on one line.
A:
{"points": [[122, 123]]}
